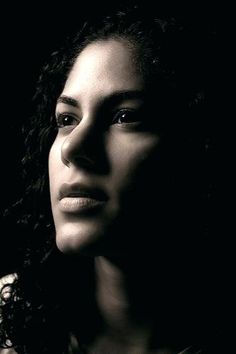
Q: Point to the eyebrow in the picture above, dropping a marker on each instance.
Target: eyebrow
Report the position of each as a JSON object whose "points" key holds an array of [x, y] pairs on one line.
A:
{"points": [[113, 98], [68, 100]]}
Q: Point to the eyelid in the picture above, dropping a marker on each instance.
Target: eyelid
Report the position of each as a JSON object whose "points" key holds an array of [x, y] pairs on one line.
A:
{"points": [[135, 112], [122, 110], [65, 108], [59, 115], [65, 112]]}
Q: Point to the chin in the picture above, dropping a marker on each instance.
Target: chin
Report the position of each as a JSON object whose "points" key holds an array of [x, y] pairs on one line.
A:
{"points": [[79, 239]]}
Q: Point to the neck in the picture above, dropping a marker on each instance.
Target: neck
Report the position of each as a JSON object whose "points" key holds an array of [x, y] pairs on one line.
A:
{"points": [[122, 314], [132, 316]]}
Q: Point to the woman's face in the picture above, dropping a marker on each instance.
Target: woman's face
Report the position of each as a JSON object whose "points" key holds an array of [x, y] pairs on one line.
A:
{"points": [[100, 153]]}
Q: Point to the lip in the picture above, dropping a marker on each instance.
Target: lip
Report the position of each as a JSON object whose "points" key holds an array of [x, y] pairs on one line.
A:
{"points": [[78, 198]]}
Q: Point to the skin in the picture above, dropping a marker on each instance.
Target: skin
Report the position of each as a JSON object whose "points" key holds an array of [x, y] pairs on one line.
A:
{"points": [[105, 156], [97, 149]]}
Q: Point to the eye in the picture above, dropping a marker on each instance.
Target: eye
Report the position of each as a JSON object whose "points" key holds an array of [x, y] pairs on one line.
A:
{"points": [[126, 116], [66, 119]]}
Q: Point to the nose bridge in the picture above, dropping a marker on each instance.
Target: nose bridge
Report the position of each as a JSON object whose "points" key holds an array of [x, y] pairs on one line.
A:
{"points": [[79, 143]]}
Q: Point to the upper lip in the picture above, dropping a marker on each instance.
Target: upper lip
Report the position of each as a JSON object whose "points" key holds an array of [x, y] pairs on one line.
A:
{"points": [[68, 190]]}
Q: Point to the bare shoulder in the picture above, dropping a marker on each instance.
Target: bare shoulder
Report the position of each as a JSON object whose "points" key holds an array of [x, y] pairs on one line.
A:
{"points": [[7, 351]]}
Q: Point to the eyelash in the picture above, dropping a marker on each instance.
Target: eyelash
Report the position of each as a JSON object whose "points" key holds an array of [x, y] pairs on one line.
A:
{"points": [[135, 116], [61, 116], [116, 118]]}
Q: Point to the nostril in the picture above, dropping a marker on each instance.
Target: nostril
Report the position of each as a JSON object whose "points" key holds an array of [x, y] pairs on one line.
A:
{"points": [[64, 160], [84, 162], [85, 149], [78, 146]]}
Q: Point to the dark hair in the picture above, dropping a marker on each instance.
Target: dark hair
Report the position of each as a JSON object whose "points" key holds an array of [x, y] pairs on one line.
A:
{"points": [[172, 57]]}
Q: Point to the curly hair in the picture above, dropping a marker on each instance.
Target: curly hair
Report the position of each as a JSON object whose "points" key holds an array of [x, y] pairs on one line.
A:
{"points": [[172, 58]]}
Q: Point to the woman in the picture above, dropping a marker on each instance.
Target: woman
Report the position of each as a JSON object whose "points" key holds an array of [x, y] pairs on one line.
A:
{"points": [[115, 143]]}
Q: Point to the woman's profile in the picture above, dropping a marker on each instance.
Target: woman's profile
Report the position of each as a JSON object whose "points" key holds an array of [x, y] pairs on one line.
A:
{"points": [[115, 257]]}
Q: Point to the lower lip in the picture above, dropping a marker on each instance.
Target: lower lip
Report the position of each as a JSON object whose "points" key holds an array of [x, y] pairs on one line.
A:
{"points": [[79, 204]]}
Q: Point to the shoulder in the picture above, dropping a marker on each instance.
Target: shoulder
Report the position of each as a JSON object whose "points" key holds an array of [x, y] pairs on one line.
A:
{"points": [[7, 351]]}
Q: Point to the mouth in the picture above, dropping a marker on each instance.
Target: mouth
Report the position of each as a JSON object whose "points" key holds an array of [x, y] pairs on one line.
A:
{"points": [[77, 198]]}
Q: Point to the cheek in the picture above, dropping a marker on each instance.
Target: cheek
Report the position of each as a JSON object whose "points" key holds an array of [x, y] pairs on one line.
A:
{"points": [[133, 185], [54, 162], [133, 155]]}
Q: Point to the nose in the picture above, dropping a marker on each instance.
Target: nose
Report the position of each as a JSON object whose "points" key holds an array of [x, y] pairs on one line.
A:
{"points": [[84, 147]]}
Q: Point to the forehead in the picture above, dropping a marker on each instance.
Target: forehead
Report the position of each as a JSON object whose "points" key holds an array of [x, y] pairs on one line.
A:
{"points": [[107, 64]]}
